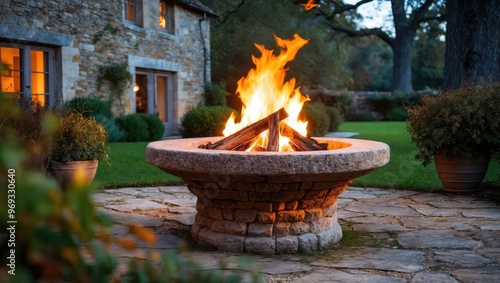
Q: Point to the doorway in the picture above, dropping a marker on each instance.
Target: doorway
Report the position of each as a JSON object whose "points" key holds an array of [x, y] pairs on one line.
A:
{"points": [[154, 95]]}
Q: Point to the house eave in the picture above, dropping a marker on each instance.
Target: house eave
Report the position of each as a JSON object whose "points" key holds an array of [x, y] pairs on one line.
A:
{"points": [[196, 6]]}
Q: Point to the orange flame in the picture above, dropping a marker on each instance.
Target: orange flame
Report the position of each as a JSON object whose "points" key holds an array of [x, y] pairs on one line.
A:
{"points": [[309, 5], [264, 91]]}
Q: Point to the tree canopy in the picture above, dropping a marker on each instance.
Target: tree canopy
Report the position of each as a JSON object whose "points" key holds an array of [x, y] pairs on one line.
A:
{"points": [[340, 54]]}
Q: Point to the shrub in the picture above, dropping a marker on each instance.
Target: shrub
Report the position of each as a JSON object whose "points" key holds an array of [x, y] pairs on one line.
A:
{"points": [[397, 114], [155, 126], [29, 123], [216, 95], [463, 121], [134, 126], [78, 139], [90, 106], [114, 132], [62, 237], [392, 106], [205, 121], [317, 116], [335, 116]]}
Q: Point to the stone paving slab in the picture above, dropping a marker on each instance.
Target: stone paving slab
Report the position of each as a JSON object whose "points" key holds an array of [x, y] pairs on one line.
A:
{"points": [[275, 266], [491, 213], [489, 238], [354, 276], [185, 219], [380, 259], [488, 225], [435, 237], [461, 258], [437, 223], [131, 204], [387, 209], [378, 227], [131, 218], [475, 275], [428, 210], [428, 277]]}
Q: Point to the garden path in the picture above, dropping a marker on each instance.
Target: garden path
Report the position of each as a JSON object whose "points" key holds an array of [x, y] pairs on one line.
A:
{"points": [[389, 236]]}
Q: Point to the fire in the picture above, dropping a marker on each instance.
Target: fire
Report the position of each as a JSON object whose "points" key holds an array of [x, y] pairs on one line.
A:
{"points": [[309, 5], [264, 91]]}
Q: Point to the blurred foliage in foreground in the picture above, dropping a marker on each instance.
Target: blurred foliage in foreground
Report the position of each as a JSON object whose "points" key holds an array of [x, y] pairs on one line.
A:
{"points": [[59, 235]]}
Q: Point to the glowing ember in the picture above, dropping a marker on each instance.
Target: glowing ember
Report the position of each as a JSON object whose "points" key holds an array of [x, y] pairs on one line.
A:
{"points": [[309, 5], [264, 91]]}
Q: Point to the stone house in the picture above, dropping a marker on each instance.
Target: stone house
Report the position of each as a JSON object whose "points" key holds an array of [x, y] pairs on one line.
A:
{"points": [[55, 49]]}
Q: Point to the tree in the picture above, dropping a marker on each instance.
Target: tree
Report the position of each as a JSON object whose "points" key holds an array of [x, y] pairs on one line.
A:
{"points": [[408, 17], [242, 23], [428, 57], [472, 42]]}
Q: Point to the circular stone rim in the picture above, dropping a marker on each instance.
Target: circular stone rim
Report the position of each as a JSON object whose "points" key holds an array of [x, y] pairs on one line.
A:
{"points": [[184, 155]]}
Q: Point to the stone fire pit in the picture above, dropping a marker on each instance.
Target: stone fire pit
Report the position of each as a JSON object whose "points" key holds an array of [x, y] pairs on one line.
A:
{"points": [[267, 202]]}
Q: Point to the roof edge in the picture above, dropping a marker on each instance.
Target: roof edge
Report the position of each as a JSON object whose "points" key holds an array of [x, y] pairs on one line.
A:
{"points": [[197, 6]]}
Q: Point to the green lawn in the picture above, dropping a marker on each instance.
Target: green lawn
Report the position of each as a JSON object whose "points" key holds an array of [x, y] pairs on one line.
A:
{"points": [[129, 166], [403, 171]]}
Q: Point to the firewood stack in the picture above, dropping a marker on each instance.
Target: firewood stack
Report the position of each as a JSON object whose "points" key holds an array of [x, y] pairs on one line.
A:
{"points": [[244, 138]]}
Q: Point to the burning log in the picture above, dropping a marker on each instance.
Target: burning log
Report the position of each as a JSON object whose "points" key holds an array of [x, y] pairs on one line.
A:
{"points": [[274, 132], [299, 142], [247, 134]]}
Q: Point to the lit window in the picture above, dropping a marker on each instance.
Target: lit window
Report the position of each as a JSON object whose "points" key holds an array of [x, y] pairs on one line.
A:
{"points": [[30, 73], [130, 10], [166, 18], [133, 11]]}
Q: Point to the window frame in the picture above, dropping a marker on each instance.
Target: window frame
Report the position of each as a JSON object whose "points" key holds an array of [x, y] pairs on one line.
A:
{"points": [[169, 15], [26, 71], [137, 7]]}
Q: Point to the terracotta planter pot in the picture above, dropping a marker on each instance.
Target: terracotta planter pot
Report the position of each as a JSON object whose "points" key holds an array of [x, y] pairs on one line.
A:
{"points": [[74, 173], [462, 174]]}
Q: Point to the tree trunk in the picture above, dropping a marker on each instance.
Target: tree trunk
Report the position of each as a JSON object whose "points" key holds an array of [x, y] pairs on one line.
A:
{"points": [[401, 68], [472, 42], [401, 48]]}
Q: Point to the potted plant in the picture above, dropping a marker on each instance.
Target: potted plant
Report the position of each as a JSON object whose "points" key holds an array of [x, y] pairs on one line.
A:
{"points": [[75, 150], [460, 129]]}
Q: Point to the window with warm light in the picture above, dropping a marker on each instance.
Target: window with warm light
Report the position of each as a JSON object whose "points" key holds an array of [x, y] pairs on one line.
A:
{"points": [[166, 18], [133, 11], [30, 73]]}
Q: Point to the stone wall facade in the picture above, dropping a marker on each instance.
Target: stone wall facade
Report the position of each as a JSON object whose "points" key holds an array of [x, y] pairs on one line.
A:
{"points": [[90, 34]]}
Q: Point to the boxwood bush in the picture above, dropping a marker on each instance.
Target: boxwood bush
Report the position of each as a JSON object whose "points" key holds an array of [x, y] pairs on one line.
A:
{"points": [[216, 95], [155, 126], [335, 115], [134, 126], [140, 127], [205, 121]]}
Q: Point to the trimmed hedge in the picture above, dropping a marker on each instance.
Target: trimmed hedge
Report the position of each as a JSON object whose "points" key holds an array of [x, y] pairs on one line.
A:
{"points": [[155, 126], [141, 127], [134, 126], [392, 107], [216, 95], [334, 113], [205, 121]]}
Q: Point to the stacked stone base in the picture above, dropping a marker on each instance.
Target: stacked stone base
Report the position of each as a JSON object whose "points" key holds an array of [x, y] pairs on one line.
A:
{"points": [[262, 217]]}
